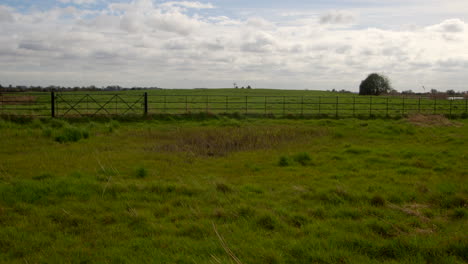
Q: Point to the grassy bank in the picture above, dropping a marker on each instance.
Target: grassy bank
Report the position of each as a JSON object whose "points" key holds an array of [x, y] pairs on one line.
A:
{"points": [[234, 191]]}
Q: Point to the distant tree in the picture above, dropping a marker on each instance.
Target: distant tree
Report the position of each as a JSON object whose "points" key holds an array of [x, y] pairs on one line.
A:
{"points": [[375, 84], [248, 87], [450, 92], [407, 92], [433, 91]]}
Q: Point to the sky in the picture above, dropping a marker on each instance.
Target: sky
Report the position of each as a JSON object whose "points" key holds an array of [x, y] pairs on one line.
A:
{"points": [[316, 45]]}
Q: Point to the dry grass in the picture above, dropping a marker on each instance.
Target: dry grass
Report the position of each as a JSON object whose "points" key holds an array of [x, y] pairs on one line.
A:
{"points": [[412, 210], [431, 120], [17, 100], [222, 141]]}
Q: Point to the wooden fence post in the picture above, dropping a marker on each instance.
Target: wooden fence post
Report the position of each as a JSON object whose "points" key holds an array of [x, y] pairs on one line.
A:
{"points": [[302, 106], [403, 106], [354, 106], [450, 111], [146, 103], [52, 103], [336, 107], [419, 105], [466, 106], [227, 103], [246, 104], [319, 103], [387, 107], [284, 105]]}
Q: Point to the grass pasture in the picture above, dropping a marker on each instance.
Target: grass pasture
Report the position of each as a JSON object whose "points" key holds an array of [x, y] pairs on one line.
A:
{"points": [[225, 190], [256, 102]]}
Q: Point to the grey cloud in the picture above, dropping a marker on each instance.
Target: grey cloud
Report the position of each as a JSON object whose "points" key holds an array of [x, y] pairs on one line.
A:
{"points": [[177, 44], [5, 15], [262, 42], [129, 24], [337, 17], [343, 49], [258, 22], [213, 46], [34, 46], [453, 63]]}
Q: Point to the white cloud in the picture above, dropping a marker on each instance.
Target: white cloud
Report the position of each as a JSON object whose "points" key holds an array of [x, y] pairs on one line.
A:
{"points": [[78, 2], [186, 4], [142, 43], [449, 26]]}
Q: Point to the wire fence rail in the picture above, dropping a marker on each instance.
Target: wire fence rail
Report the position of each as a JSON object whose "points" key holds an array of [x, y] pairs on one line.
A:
{"points": [[75, 104]]}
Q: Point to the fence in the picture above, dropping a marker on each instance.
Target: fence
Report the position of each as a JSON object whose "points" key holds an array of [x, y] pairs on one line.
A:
{"points": [[75, 104]]}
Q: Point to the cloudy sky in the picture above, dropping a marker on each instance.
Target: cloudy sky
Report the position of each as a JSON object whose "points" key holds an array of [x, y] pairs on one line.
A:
{"points": [[295, 44]]}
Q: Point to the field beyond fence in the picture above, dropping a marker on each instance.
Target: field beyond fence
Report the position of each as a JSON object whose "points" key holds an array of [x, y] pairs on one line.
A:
{"points": [[78, 104]]}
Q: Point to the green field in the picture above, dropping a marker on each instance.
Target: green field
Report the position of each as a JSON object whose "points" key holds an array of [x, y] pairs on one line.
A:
{"points": [[222, 190], [257, 102]]}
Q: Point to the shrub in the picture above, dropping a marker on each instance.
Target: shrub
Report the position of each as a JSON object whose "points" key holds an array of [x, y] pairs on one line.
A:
{"points": [[224, 188], [57, 123], [283, 161], [141, 172], [459, 213], [377, 200], [71, 134], [267, 222], [302, 158], [47, 131]]}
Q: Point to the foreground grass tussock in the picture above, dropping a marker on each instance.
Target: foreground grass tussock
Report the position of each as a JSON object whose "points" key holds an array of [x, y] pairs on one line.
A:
{"points": [[234, 191]]}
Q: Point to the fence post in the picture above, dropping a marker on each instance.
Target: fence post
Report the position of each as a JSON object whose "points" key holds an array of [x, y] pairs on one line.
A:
{"points": [[435, 105], [450, 111], [319, 103], [52, 103], [370, 106], [387, 107], [466, 106], [146, 103], [336, 107], [403, 105], [284, 105], [246, 104], [419, 105], [302, 106], [354, 106]]}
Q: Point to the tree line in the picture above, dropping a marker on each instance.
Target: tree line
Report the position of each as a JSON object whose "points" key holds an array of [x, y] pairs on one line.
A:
{"points": [[50, 88]]}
